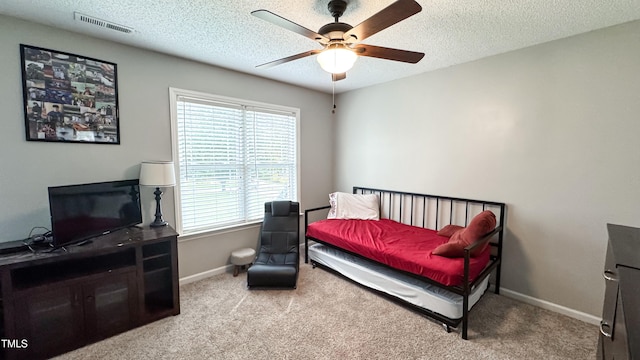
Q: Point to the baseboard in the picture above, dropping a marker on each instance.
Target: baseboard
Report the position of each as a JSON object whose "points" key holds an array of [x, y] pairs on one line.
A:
{"points": [[221, 270], [206, 274], [588, 318]]}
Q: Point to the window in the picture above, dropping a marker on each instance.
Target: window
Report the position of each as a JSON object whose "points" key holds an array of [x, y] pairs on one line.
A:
{"points": [[232, 156]]}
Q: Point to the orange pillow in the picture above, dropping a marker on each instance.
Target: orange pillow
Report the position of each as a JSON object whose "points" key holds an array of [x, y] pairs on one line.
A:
{"points": [[480, 225], [449, 230]]}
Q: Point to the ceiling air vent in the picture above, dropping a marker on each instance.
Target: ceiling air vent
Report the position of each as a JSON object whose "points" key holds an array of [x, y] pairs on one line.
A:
{"points": [[102, 23]]}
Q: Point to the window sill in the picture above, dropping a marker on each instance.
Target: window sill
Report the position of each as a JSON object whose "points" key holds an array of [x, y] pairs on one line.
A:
{"points": [[224, 230]]}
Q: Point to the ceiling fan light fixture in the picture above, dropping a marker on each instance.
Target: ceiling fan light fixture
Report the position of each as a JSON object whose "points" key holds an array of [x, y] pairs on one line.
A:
{"points": [[337, 59]]}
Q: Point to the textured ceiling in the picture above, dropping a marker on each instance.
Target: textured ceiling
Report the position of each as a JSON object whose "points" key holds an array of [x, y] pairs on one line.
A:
{"points": [[224, 33]]}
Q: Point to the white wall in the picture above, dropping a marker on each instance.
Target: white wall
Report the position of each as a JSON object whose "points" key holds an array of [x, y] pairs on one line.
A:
{"points": [[144, 77], [552, 130]]}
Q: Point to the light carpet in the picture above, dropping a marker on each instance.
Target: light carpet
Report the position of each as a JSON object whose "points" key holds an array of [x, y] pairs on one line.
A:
{"points": [[328, 317]]}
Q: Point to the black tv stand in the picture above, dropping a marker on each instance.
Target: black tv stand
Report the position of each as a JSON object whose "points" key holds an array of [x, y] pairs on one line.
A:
{"points": [[84, 242], [62, 300], [11, 247]]}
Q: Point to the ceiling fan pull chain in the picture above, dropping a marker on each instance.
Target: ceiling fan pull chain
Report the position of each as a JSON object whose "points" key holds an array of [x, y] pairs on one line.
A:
{"points": [[333, 93]]}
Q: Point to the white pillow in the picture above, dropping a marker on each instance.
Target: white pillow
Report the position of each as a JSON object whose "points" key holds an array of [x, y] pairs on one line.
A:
{"points": [[352, 206]]}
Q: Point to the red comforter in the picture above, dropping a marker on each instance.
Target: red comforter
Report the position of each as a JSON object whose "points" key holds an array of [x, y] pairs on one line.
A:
{"points": [[397, 245]]}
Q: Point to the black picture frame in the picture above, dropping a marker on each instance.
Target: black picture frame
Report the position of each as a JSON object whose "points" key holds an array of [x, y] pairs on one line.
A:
{"points": [[68, 97]]}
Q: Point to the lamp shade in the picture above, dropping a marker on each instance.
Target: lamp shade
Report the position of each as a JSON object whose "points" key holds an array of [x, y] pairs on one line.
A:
{"points": [[337, 58], [157, 173]]}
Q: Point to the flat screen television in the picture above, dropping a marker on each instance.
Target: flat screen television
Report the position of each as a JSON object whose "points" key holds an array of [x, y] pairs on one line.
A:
{"points": [[83, 211]]}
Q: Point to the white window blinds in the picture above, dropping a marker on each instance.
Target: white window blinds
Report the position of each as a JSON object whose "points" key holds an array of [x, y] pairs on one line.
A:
{"points": [[232, 158]]}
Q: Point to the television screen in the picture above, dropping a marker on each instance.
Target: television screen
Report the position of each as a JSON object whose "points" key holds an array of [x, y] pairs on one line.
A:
{"points": [[80, 212]]}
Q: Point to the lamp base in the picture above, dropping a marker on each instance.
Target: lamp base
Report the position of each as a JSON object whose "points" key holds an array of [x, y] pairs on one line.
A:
{"points": [[159, 222]]}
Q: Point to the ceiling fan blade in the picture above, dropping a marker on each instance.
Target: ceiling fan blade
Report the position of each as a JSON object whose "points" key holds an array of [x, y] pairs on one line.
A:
{"points": [[338, 77], [289, 25], [388, 16], [388, 53], [288, 58]]}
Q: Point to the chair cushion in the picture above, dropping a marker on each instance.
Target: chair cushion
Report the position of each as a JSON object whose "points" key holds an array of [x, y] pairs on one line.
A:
{"points": [[266, 258], [280, 208], [260, 275]]}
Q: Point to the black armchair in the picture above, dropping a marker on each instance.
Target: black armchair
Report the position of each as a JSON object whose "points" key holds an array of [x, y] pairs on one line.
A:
{"points": [[278, 260]]}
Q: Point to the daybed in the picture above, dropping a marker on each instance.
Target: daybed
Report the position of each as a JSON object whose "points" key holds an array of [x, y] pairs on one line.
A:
{"points": [[433, 254]]}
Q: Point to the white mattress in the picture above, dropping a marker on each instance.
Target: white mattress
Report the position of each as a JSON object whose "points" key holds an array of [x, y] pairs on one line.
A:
{"points": [[400, 285]]}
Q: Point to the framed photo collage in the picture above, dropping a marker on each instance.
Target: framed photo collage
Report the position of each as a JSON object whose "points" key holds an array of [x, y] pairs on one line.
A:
{"points": [[68, 97]]}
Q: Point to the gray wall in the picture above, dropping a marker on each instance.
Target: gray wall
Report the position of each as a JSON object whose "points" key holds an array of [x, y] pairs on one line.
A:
{"points": [[144, 77], [551, 130]]}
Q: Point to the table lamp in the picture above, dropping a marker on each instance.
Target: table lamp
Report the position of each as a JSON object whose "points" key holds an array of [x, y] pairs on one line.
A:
{"points": [[158, 174]]}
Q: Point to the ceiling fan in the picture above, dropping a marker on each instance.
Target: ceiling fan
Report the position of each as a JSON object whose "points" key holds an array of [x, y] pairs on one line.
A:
{"points": [[341, 41]]}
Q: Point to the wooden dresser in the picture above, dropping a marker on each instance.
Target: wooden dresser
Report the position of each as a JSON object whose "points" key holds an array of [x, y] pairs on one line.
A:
{"points": [[620, 325], [54, 302]]}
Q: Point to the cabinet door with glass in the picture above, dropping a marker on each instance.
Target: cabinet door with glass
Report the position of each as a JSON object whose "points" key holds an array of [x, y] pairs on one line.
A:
{"points": [[39, 317], [110, 305], [61, 317]]}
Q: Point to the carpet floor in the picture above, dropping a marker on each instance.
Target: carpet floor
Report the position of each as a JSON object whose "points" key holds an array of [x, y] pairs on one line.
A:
{"points": [[328, 317]]}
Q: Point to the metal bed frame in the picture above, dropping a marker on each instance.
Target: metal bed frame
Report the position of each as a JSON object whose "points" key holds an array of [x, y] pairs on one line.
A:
{"points": [[433, 212]]}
